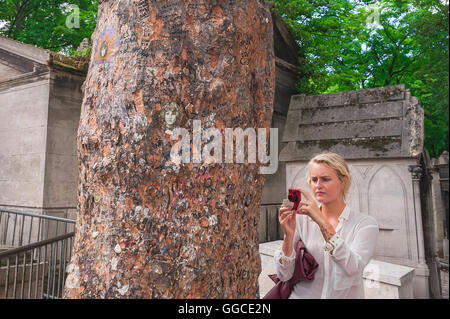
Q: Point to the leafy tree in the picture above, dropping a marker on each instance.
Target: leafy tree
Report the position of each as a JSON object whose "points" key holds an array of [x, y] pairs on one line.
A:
{"points": [[352, 45], [43, 22], [345, 45], [428, 78]]}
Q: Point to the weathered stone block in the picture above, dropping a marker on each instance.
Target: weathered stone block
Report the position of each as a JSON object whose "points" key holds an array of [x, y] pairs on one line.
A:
{"points": [[388, 281], [61, 141], [266, 252], [350, 113], [375, 123], [262, 225], [60, 194], [29, 194]]}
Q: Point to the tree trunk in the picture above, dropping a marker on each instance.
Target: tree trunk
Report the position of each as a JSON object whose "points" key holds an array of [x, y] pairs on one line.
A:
{"points": [[148, 228]]}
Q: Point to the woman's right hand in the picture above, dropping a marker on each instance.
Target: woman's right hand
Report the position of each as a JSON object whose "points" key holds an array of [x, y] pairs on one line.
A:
{"points": [[287, 220]]}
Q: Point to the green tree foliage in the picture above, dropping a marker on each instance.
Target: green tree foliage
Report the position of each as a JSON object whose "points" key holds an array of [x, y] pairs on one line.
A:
{"points": [[351, 44], [345, 45], [43, 22]]}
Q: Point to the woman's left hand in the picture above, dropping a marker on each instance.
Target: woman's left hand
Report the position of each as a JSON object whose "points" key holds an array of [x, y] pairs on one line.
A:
{"points": [[308, 206]]}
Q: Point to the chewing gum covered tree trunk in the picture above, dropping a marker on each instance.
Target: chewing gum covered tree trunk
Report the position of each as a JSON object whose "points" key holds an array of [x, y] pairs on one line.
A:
{"points": [[147, 227]]}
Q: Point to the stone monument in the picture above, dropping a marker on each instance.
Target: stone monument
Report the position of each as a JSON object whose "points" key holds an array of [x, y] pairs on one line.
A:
{"points": [[40, 99]]}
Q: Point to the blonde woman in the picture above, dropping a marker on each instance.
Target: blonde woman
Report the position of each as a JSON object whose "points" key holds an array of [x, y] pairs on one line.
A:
{"points": [[341, 239]]}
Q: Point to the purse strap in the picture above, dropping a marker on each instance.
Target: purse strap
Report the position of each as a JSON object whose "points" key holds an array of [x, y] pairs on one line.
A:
{"points": [[300, 246]]}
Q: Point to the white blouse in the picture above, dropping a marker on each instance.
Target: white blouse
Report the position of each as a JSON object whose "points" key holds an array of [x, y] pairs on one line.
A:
{"points": [[339, 275]]}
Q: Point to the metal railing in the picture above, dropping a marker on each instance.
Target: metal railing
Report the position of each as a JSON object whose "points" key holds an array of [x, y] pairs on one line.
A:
{"points": [[36, 270], [21, 228], [34, 251]]}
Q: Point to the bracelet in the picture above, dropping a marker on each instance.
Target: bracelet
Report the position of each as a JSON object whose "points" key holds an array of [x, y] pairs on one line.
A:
{"points": [[332, 243], [284, 259]]}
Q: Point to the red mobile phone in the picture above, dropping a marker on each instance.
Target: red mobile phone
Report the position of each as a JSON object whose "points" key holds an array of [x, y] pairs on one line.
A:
{"points": [[294, 196]]}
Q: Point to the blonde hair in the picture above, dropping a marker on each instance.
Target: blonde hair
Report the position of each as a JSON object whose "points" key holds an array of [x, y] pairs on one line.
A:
{"points": [[337, 163]]}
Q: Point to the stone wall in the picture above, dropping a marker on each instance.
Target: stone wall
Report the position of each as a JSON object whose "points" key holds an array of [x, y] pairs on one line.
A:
{"points": [[39, 113], [61, 157], [435, 220], [23, 134]]}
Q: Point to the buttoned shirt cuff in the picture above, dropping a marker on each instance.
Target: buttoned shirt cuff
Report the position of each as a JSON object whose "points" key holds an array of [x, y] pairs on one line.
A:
{"points": [[333, 244], [285, 260]]}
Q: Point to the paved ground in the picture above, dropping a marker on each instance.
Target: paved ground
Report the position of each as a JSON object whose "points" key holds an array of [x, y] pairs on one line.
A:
{"points": [[444, 282]]}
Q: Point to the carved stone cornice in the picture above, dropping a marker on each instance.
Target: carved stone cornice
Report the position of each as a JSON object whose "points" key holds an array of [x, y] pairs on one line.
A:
{"points": [[416, 171]]}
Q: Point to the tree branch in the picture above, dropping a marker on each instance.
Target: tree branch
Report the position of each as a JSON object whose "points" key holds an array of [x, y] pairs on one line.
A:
{"points": [[401, 70], [18, 17], [63, 45], [325, 35], [391, 68], [387, 33], [374, 50]]}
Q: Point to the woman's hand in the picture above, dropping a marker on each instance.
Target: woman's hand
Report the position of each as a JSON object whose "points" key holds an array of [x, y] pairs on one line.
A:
{"points": [[309, 207], [286, 217]]}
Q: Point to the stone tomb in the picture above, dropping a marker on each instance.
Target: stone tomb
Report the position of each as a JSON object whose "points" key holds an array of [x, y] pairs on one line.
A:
{"points": [[40, 101]]}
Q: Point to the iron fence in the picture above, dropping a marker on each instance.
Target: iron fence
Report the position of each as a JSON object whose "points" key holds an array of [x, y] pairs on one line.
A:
{"points": [[21, 228], [34, 252], [37, 270]]}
